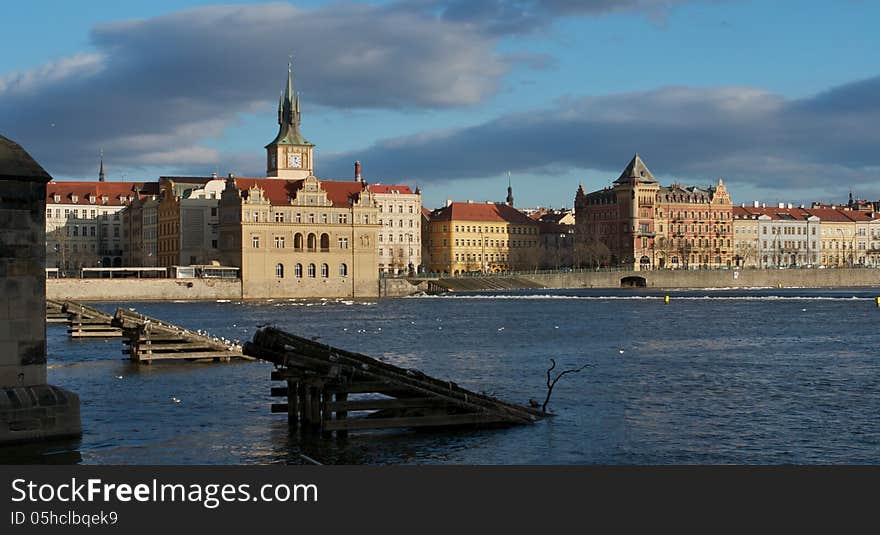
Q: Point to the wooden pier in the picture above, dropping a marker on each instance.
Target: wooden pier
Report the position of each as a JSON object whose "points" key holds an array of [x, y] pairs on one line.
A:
{"points": [[149, 339], [88, 322], [320, 378], [54, 314]]}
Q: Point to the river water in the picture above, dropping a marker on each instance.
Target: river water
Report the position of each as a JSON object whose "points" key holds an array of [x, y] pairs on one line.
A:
{"points": [[764, 376]]}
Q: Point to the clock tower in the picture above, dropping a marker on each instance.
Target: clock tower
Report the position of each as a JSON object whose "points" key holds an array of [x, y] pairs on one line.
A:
{"points": [[289, 155]]}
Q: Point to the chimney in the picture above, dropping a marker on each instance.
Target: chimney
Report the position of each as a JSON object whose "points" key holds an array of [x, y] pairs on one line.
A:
{"points": [[763, 205], [755, 204], [781, 205], [214, 175], [448, 202], [790, 206], [357, 172]]}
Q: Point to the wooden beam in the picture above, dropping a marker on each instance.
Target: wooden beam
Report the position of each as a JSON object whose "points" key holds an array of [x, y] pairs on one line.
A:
{"points": [[279, 407], [351, 424], [378, 404]]}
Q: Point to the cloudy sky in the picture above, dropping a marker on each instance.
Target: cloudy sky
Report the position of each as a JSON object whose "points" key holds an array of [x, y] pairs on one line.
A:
{"points": [[781, 99]]}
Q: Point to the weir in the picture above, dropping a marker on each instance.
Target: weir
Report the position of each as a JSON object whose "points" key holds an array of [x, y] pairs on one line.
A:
{"points": [[320, 378]]}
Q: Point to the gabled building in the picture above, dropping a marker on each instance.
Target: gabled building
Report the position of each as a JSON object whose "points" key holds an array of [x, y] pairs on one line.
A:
{"points": [[639, 224], [292, 234]]}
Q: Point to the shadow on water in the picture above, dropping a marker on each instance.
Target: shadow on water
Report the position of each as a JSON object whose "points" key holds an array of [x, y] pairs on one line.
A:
{"points": [[44, 452]]}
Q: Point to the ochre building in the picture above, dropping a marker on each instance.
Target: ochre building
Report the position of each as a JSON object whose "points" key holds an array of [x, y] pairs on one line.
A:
{"points": [[294, 235]]}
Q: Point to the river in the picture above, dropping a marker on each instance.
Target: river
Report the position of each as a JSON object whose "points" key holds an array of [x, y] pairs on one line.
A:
{"points": [[763, 376]]}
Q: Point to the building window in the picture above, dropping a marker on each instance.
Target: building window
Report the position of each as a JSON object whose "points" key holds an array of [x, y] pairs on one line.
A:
{"points": [[279, 242], [325, 270], [213, 244], [256, 242], [298, 271], [312, 270], [279, 217], [256, 217], [343, 243], [279, 271], [311, 218], [298, 218], [343, 270], [343, 219], [214, 212]]}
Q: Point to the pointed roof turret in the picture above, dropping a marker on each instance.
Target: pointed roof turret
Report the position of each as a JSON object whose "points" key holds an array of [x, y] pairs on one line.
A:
{"points": [[101, 168], [636, 170], [289, 116]]}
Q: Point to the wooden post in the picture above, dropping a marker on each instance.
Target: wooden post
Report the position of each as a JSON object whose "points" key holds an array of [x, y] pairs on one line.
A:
{"points": [[292, 404], [315, 395], [341, 415], [326, 414]]}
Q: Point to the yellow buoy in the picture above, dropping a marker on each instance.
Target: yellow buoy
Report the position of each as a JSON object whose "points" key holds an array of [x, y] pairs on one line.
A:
{"points": [[878, 301], [666, 300]]}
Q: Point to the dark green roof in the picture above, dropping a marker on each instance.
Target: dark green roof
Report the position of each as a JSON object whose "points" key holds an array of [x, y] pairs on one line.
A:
{"points": [[17, 164], [636, 170]]}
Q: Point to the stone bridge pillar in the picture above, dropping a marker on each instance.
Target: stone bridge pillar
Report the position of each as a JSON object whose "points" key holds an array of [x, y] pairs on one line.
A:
{"points": [[30, 409]]}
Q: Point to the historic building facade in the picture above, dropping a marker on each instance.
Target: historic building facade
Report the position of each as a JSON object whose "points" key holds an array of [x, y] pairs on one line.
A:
{"points": [[292, 234], [639, 224], [400, 238], [482, 237], [84, 223]]}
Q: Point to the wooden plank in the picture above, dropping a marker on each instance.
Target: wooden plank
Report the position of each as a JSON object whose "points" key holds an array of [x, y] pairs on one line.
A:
{"points": [[203, 355], [350, 424], [279, 392], [279, 407], [364, 387], [393, 403]]}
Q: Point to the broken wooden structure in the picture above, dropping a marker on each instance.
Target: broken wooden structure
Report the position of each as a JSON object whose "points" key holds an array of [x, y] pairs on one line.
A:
{"points": [[54, 314], [88, 322], [148, 339], [320, 378]]}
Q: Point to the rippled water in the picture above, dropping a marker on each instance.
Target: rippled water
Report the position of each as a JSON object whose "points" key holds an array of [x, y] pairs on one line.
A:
{"points": [[721, 376]]}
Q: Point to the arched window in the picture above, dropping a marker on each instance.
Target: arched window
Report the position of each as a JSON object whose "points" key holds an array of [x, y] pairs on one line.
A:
{"points": [[325, 242], [312, 242], [279, 271], [298, 241], [312, 270], [343, 270], [298, 271], [325, 270]]}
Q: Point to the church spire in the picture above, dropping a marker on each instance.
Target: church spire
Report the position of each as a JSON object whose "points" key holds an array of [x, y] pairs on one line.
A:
{"points": [[289, 115], [509, 191], [101, 168]]}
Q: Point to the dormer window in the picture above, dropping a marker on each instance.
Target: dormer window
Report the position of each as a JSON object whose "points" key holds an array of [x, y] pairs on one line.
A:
{"points": [[103, 199], [74, 198], [57, 198], [91, 199]]}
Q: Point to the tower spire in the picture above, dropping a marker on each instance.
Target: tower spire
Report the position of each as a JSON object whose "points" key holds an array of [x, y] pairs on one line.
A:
{"points": [[101, 168], [509, 191]]}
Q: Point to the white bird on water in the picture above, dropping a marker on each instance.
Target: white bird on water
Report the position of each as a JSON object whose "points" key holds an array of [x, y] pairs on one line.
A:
{"points": [[119, 377], [175, 400], [621, 351]]}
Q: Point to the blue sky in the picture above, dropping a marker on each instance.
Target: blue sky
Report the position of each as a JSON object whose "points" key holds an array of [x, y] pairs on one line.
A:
{"points": [[779, 98]]}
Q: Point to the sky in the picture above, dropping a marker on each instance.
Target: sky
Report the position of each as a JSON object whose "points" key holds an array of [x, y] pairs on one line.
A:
{"points": [[781, 99]]}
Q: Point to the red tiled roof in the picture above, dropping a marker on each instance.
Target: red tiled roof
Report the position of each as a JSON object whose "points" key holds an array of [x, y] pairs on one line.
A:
{"points": [[113, 190], [390, 188], [837, 216], [280, 191], [465, 211]]}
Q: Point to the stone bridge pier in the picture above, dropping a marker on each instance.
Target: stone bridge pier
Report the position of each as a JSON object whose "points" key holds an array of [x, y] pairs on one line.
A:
{"points": [[30, 409]]}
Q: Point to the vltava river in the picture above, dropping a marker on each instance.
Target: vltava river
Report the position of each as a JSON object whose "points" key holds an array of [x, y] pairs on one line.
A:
{"points": [[716, 376]]}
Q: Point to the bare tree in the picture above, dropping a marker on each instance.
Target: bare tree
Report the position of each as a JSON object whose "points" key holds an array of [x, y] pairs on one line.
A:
{"points": [[552, 383]]}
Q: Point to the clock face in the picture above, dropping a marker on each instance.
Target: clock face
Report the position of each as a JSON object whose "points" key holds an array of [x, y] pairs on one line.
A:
{"points": [[294, 160]]}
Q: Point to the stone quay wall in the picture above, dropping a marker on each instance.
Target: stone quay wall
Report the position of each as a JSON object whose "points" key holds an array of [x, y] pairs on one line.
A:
{"points": [[750, 278], [143, 289]]}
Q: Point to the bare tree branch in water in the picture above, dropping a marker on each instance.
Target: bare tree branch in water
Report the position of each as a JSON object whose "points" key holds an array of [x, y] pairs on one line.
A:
{"points": [[552, 383]]}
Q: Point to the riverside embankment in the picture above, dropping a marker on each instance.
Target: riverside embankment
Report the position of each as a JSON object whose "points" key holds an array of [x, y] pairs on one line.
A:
{"points": [[221, 289], [752, 278]]}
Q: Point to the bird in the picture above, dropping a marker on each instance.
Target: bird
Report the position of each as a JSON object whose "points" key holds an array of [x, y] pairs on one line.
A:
{"points": [[119, 377], [501, 329], [621, 351], [175, 400]]}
